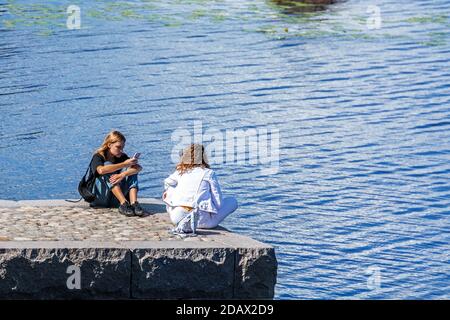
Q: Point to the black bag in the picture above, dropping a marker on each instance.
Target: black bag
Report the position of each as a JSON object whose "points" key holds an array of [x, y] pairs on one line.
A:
{"points": [[86, 185]]}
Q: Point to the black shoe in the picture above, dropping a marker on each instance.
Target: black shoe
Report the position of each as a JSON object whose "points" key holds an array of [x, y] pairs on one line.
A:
{"points": [[138, 210], [126, 209]]}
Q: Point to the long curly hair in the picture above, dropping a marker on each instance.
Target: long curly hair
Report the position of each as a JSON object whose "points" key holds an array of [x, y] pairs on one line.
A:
{"points": [[112, 137], [191, 157]]}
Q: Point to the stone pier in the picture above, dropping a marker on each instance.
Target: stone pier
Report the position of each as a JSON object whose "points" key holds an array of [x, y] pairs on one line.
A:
{"points": [[53, 249]]}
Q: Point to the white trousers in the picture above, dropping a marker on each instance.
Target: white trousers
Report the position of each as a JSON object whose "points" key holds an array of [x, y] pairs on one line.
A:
{"points": [[206, 220]]}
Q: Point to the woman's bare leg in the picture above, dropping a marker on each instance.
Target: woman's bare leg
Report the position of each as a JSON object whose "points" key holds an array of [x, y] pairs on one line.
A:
{"points": [[133, 195], [118, 194]]}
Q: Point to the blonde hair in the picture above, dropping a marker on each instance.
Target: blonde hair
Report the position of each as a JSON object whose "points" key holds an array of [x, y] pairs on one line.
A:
{"points": [[112, 137], [192, 156]]}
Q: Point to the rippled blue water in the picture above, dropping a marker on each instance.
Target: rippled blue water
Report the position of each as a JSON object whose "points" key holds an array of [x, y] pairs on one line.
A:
{"points": [[363, 116]]}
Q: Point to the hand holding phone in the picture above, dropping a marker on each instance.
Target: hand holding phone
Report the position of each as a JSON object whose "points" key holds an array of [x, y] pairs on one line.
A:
{"points": [[137, 155]]}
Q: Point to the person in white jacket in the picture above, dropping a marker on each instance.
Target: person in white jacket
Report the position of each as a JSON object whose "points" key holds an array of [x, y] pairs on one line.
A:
{"points": [[195, 185]]}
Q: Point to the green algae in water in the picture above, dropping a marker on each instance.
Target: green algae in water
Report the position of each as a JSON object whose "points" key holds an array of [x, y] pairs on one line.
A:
{"points": [[131, 14], [103, 15], [96, 14], [436, 39], [119, 6], [15, 9], [286, 4], [287, 23], [35, 15], [219, 17], [9, 23], [198, 14], [173, 24], [428, 19], [253, 7], [267, 29], [45, 33], [148, 6], [154, 17]]}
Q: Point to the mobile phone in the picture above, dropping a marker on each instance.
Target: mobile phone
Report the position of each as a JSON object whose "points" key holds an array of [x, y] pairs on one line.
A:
{"points": [[137, 155]]}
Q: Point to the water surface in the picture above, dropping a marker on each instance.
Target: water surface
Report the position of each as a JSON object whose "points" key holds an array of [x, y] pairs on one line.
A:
{"points": [[363, 116]]}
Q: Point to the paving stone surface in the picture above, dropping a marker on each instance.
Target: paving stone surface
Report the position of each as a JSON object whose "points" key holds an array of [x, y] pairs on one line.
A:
{"points": [[117, 257], [40, 221]]}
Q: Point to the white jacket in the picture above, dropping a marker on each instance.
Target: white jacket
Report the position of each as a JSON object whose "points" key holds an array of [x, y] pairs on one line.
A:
{"points": [[197, 188]]}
